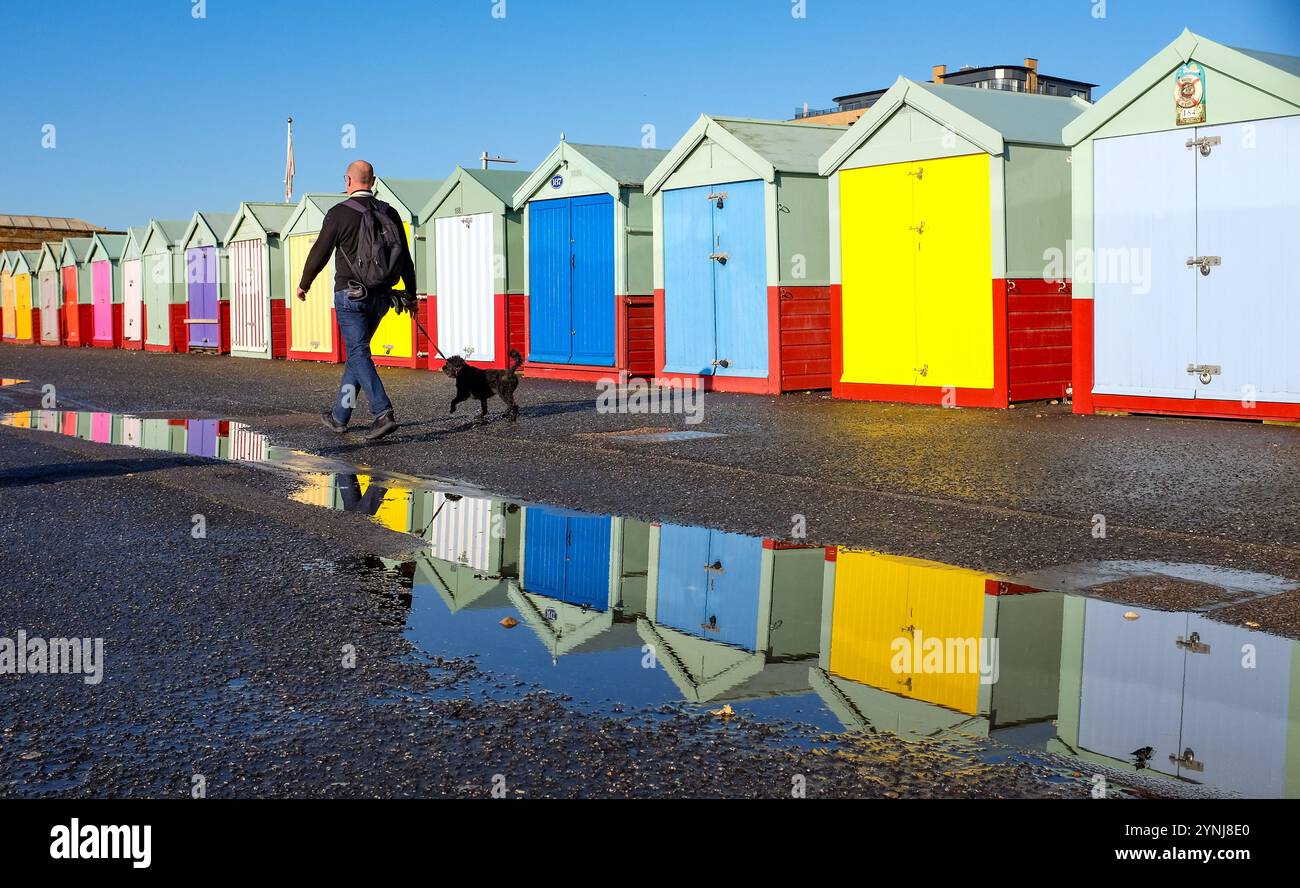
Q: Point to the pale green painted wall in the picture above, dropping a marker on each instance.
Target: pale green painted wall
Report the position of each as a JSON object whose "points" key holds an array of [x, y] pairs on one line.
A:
{"points": [[803, 229], [640, 243], [1037, 181], [909, 135]]}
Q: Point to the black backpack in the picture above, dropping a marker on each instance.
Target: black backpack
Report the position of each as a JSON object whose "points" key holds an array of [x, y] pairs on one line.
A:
{"points": [[380, 242]]}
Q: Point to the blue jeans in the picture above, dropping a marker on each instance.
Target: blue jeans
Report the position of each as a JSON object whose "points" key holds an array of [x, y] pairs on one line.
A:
{"points": [[358, 321]]}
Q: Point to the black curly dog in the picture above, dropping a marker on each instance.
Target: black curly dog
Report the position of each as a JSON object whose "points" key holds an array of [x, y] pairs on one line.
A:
{"points": [[475, 382]]}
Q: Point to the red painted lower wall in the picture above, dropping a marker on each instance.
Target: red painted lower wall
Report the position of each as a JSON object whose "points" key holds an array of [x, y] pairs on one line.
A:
{"points": [[279, 329], [805, 343], [634, 344], [78, 321], [1081, 335]]}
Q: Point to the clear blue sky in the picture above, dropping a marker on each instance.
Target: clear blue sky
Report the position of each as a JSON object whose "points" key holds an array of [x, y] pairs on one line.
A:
{"points": [[158, 113]]}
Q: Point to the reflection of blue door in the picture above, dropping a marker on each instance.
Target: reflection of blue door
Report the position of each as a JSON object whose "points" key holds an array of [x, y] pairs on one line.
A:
{"points": [[571, 280], [715, 274], [566, 557], [709, 584], [201, 437]]}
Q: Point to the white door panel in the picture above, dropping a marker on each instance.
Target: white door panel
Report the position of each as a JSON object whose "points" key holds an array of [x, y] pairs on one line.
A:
{"points": [[466, 301]]}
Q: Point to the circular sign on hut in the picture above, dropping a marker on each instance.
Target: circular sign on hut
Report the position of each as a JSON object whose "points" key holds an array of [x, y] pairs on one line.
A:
{"points": [[557, 181], [1189, 94]]}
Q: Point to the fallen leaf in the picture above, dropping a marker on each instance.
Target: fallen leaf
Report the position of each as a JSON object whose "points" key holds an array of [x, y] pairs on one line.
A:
{"points": [[724, 713], [510, 622]]}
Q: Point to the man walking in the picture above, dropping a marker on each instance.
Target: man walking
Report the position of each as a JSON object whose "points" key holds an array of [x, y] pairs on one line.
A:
{"points": [[366, 255]]}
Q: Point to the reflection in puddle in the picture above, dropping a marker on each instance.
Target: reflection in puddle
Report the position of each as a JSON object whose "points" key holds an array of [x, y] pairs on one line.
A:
{"points": [[624, 615], [8, 380]]}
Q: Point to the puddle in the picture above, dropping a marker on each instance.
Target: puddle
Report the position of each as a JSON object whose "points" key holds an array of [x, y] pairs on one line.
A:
{"points": [[642, 619], [665, 437], [6, 380]]}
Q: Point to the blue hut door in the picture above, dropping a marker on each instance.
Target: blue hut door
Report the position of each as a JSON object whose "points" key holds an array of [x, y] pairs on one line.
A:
{"points": [[571, 279], [202, 281], [709, 584], [567, 557], [681, 594], [689, 345]]}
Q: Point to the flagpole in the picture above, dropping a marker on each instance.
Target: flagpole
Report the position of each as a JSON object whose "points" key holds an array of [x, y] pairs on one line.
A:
{"points": [[288, 166]]}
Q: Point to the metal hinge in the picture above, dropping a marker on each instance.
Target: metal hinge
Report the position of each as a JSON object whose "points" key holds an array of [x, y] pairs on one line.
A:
{"points": [[923, 370], [920, 173], [1187, 760], [1192, 644], [1204, 372], [1204, 263], [1204, 144], [919, 229]]}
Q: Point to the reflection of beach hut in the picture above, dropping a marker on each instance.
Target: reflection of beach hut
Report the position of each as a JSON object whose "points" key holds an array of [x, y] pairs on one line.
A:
{"points": [[945, 202], [313, 335], [105, 260], [1178, 683], [397, 341], [1186, 200], [207, 298], [742, 287], [475, 238], [78, 319], [589, 275], [133, 289], [876, 605], [163, 269], [388, 505], [50, 294], [257, 282], [473, 547]]}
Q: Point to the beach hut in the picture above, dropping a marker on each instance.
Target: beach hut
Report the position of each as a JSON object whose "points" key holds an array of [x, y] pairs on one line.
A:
{"points": [[312, 333], [258, 324], [947, 204], [133, 289], [8, 302], [741, 267], [1186, 217], [78, 309], [474, 241], [50, 294], [473, 551], [26, 312], [398, 342], [163, 268], [105, 260], [207, 297], [1133, 678], [921, 648], [589, 277]]}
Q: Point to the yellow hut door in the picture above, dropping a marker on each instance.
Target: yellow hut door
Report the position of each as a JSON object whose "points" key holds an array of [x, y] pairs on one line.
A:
{"points": [[954, 290], [393, 337], [869, 614], [23, 303], [311, 322], [878, 252], [946, 605]]}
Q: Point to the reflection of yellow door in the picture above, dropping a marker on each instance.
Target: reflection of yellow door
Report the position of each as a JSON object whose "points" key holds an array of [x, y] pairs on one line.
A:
{"points": [[7, 300], [394, 511], [954, 273], [880, 599], [311, 322], [878, 252], [23, 305], [394, 337]]}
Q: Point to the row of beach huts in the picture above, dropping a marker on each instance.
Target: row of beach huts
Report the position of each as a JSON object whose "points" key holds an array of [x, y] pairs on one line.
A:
{"points": [[955, 246]]}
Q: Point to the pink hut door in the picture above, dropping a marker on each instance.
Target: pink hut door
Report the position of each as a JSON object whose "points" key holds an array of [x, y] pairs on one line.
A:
{"points": [[102, 298], [132, 296]]}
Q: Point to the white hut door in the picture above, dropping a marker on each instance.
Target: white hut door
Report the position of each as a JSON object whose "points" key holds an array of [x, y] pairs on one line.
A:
{"points": [[249, 310], [133, 299], [465, 281], [1144, 228], [1248, 219]]}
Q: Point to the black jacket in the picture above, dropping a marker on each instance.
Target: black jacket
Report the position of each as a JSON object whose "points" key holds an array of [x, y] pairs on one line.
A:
{"points": [[338, 234]]}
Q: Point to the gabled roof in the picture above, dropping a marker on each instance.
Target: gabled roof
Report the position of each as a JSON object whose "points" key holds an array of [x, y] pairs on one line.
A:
{"points": [[766, 146], [50, 254], [270, 218], [170, 231], [498, 184], [322, 201], [611, 166], [137, 234], [215, 224], [51, 223], [412, 194], [75, 248], [1269, 72], [6, 261], [109, 246], [25, 261], [986, 117]]}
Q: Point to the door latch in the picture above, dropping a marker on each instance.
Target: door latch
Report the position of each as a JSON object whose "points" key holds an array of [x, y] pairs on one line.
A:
{"points": [[1205, 372], [720, 197], [923, 370], [919, 173], [1192, 644], [1187, 760], [1204, 263], [1204, 144], [720, 258], [919, 229], [715, 567], [721, 362]]}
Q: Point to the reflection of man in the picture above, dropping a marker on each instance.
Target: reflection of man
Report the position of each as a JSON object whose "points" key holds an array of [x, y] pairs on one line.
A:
{"points": [[354, 500]]}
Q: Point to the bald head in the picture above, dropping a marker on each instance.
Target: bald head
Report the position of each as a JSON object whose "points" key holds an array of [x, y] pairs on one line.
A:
{"points": [[360, 176]]}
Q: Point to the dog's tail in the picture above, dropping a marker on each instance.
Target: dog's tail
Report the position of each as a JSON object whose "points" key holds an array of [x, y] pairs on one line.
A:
{"points": [[516, 360]]}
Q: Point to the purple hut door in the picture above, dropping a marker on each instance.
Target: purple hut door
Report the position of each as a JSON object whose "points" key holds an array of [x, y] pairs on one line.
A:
{"points": [[201, 437], [101, 278], [203, 321]]}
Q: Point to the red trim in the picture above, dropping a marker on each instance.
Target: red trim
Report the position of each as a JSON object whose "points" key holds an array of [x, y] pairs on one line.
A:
{"points": [[1002, 587], [633, 343], [115, 333], [279, 329], [575, 372], [223, 326], [832, 553], [781, 545], [1081, 332], [804, 345], [661, 351], [517, 324], [503, 338], [639, 321], [1201, 407], [79, 318], [431, 325], [333, 356], [751, 385]]}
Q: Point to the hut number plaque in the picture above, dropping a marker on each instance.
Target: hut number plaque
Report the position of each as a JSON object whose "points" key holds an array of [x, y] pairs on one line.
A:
{"points": [[1189, 95]]}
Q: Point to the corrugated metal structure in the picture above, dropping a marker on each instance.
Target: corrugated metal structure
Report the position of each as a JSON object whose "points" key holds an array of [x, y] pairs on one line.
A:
{"points": [[474, 241], [742, 280], [105, 260], [207, 293], [946, 205], [918, 647], [1186, 216], [397, 341], [589, 273], [50, 287], [255, 260], [165, 289], [1175, 682], [8, 300], [133, 311], [78, 317], [313, 335]]}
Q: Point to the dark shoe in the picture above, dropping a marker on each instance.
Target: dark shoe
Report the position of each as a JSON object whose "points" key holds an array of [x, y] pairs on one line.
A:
{"points": [[385, 424], [333, 424]]}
